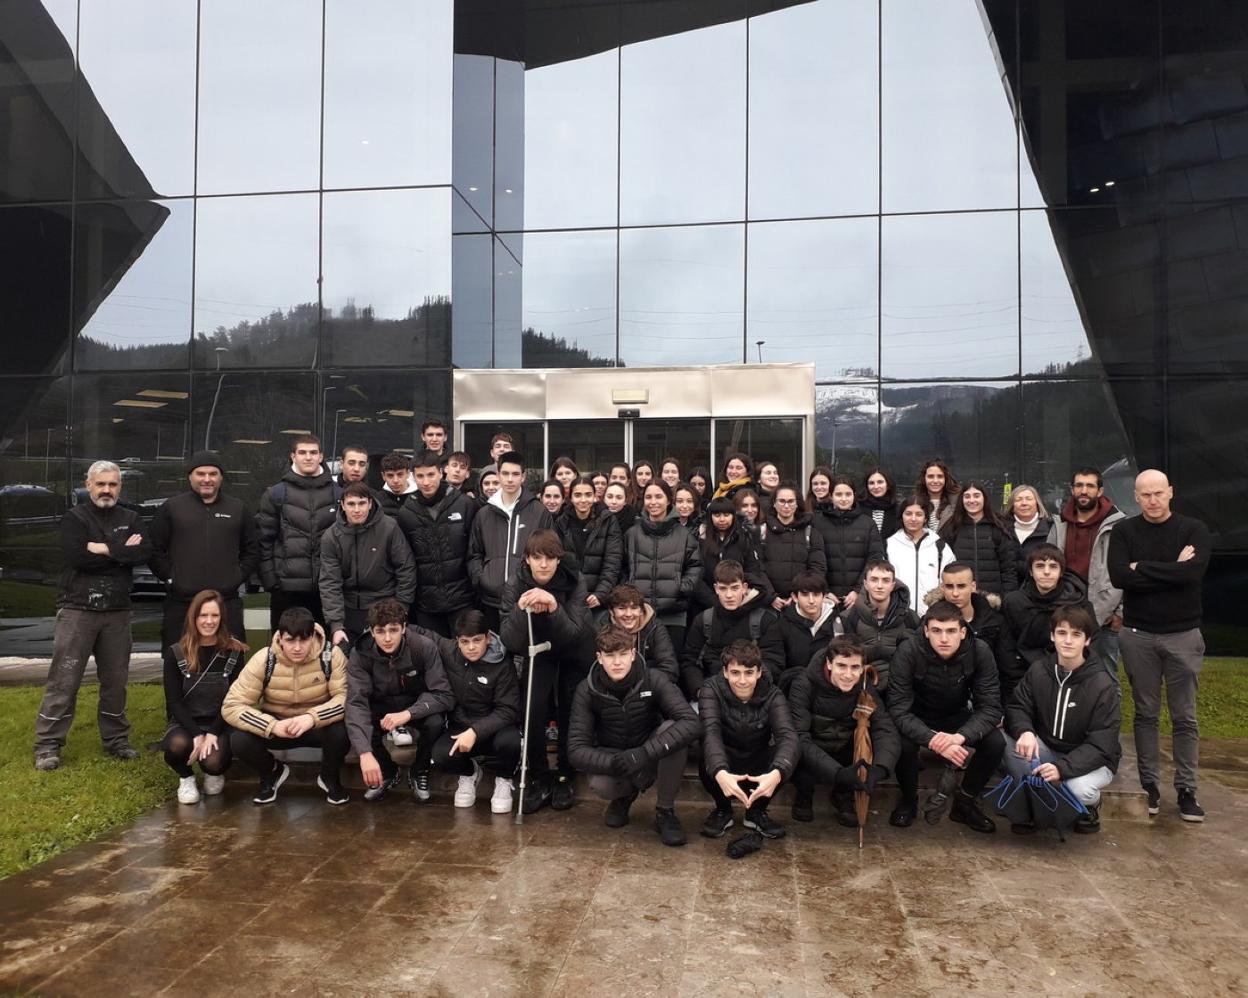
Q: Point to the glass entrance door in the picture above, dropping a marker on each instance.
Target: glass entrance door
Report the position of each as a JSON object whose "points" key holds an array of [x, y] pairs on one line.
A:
{"points": [[687, 440], [592, 444]]}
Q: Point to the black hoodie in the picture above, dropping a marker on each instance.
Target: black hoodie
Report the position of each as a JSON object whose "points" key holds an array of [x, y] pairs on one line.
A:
{"points": [[569, 629], [1028, 614], [824, 717], [487, 694], [737, 728], [927, 690], [437, 530], [804, 639], [413, 678]]}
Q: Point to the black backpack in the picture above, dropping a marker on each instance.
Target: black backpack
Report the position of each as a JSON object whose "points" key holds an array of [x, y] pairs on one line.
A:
{"points": [[327, 663], [756, 629]]}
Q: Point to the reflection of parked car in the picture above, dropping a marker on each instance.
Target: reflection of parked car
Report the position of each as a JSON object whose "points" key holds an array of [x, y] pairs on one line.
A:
{"points": [[146, 585]]}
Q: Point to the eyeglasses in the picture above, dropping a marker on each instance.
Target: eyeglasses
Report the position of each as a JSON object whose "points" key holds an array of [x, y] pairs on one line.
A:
{"points": [[786, 502]]}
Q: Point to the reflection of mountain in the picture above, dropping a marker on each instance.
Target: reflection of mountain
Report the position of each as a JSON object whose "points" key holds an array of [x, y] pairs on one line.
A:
{"points": [[539, 350]]}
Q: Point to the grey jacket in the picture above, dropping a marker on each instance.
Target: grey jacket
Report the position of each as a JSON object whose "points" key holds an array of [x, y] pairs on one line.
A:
{"points": [[1105, 599], [362, 564]]}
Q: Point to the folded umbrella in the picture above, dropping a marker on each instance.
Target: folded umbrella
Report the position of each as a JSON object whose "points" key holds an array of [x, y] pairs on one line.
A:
{"points": [[1036, 801], [864, 752]]}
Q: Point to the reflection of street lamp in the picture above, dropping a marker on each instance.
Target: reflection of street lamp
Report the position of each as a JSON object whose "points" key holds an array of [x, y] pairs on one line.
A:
{"points": [[337, 413], [759, 344], [834, 445], [216, 396]]}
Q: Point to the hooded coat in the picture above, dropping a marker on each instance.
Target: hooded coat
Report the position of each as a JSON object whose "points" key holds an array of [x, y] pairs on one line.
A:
{"points": [[362, 563], [790, 549], [715, 628], [850, 541], [804, 639], [438, 530], [1028, 614], [918, 566], [664, 563], [741, 545], [745, 728], [496, 544], [988, 624], [486, 692], [412, 678], [991, 551], [569, 629], [1039, 535], [824, 717], [1105, 597], [881, 637], [654, 645], [597, 546], [290, 530]]}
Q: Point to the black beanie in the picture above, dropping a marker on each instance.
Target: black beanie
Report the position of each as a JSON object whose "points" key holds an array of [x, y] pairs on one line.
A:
{"points": [[204, 459]]}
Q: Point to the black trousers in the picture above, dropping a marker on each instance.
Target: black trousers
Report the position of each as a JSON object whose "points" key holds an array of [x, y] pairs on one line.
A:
{"points": [[439, 623], [560, 679], [805, 779], [742, 765], [500, 752], [979, 768], [280, 601], [256, 750], [175, 619], [425, 732]]}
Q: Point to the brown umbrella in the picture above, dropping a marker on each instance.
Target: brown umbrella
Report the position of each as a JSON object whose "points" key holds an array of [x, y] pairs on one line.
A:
{"points": [[864, 754]]}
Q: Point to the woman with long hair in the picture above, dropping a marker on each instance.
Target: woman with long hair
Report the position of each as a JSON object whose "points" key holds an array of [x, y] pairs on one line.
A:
{"points": [[599, 479], [552, 496], [748, 508], [976, 534], [591, 535], [615, 499], [1026, 514], [564, 469], [878, 497], [700, 479], [734, 476], [790, 544], [669, 471], [939, 489], [643, 475], [198, 669], [487, 485], [850, 540], [663, 561], [621, 473], [767, 476], [688, 505], [916, 552], [818, 488]]}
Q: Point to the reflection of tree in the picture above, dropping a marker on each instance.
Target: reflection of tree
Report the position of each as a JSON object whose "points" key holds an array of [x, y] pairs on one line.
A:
{"points": [[539, 350]]}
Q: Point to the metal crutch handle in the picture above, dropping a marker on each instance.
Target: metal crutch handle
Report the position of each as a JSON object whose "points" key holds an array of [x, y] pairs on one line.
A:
{"points": [[534, 651]]}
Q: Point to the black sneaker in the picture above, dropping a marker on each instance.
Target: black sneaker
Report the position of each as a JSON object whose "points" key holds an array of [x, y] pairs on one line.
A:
{"points": [[671, 831], [717, 823], [1189, 810], [758, 820], [388, 783], [563, 795], [271, 784], [419, 782], [937, 804], [845, 813], [536, 796], [965, 811], [1090, 823], [616, 815], [803, 806], [904, 813], [334, 794], [1154, 798]]}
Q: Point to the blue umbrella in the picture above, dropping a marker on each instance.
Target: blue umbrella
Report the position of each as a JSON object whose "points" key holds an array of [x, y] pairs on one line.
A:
{"points": [[1032, 800]]}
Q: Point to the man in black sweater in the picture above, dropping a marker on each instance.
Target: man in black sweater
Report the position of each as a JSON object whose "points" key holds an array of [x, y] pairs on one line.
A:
{"points": [[1158, 559]]}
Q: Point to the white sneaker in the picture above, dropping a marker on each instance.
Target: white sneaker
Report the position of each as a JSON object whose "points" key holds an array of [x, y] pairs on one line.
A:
{"points": [[401, 737], [188, 792], [213, 785], [466, 791], [500, 803]]}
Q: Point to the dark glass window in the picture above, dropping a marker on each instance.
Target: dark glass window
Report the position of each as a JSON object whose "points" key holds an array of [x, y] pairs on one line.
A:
{"points": [[687, 440], [847, 419], [569, 299], [527, 440], [812, 294], [381, 411], [256, 281], [778, 440], [508, 295], [593, 444], [509, 145], [133, 284], [472, 296], [814, 114], [681, 292], [387, 92], [136, 102], [1208, 461], [473, 137], [387, 277], [949, 299], [259, 96], [35, 288]]}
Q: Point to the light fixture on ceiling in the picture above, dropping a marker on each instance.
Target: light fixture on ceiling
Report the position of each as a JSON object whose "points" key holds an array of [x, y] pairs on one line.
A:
{"points": [[249, 441], [160, 393], [140, 404], [296, 433], [1110, 183], [404, 413]]}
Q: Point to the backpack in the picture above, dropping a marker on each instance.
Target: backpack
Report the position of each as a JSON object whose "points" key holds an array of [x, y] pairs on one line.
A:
{"points": [[327, 663], [231, 662], [756, 627]]}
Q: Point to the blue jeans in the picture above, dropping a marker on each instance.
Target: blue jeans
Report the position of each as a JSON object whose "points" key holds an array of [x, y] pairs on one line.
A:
{"points": [[1087, 788]]}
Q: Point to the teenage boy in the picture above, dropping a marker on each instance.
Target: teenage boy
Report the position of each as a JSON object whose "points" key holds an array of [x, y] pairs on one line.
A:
{"points": [[433, 436], [483, 726], [740, 611], [458, 471], [981, 614], [934, 680], [749, 745], [289, 695], [396, 681], [437, 521], [499, 532], [354, 462], [630, 727], [822, 699], [1065, 717], [881, 618], [630, 612], [396, 469], [806, 625], [500, 444]]}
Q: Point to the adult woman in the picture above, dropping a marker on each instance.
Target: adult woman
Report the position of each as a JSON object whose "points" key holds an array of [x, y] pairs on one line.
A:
{"points": [[565, 471], [700, 479], [725, 537], [879, 498], [790, 544], [1031, 523], [688, 505], [552, 496], [916, 552], [591, 535], [669, 471], [975, 533], [747, 507], [600, 484], [818, 488], [850, 540], [615, 498], [735, 476], [940, 489], [197, 672], [663, 560]]}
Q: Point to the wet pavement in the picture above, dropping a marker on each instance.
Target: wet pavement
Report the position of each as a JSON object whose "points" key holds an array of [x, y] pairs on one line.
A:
{"points": [[227, 898]]}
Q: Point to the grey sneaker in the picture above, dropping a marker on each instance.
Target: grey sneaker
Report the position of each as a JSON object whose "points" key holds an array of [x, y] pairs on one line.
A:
{"points": [[45, 762], [937, 804], [125, 752]]}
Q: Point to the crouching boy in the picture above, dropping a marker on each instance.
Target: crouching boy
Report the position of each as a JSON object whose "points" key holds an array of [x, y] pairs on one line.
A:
{"points": [[631, 727], [823, 699], [1065, 715], [749, 745]]}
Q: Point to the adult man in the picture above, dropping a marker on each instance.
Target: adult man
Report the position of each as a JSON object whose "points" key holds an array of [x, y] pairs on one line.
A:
{"points": [[288, 695], [101, 542], [982, 614], [934, 679], [396, 469], [496, 544], [203, 539], [1157, 559], [433, 436], [1082, 533], [293, 515], [437, 521], [631, 613], [364, 558], [881, 618], [354, 462]]}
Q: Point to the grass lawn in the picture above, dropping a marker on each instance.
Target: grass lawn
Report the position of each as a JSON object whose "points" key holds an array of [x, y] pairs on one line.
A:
{"points": [[42, 814], [26, 599], [1222, 704]]}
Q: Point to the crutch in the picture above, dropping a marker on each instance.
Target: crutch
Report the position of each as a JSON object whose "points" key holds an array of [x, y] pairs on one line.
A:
{"points": [[534, 651]]}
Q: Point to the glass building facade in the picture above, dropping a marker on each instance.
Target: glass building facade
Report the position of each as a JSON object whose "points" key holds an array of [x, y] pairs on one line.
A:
{"points": [[1011, 233]]}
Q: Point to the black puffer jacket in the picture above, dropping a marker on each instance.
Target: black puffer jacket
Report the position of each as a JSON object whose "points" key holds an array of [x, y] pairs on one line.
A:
{"points": [[487, 696], [198, 545], [740, 544], [1029, 614], [496, 543], [569, 629], [735, 727], [880, 638], [437, 530], [290, 530], [890, 518], [824, 717], [991, 551], [803, 639], [850, 540], [788, 550], [664, 563], [392, 503], [1077, 714], [712, 630], [99, 581], [928, 690], [362, 564], [1044, 525], [654, 645], [609, 717], [413, 678], [597, 545], [989, 625]]}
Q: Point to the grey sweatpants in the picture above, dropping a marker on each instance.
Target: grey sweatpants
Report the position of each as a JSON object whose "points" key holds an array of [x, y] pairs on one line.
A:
{"points": [[1175, 659], [80, 634]]}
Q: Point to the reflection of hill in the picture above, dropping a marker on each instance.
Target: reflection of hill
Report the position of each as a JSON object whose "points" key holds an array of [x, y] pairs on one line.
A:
{"points": [[540, 350]]}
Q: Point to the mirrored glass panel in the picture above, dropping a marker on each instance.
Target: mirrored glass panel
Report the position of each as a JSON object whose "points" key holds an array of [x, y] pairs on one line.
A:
{"points": [[778, 440], [682, 121], [592, 444], [947, 133], [387, 277], [1208, 462], [382, 411], [256, 281], [814, 114], [136, 100], [687, 440], [35, 245], [528, 440], [472, 296], [388, 92], [949, 295], [681, 292], [569, 299], [847, 428], [132, 279], [473, 136], [973, 428], [1055, 329], [248, 49], [813, 294], [508, 294], [509, 144]]}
